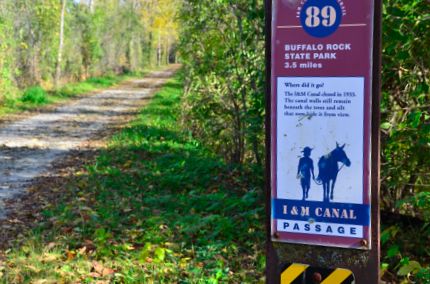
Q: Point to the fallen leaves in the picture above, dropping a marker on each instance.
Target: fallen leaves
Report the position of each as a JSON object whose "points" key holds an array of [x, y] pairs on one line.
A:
{"points": [[99, 270], [70, 255], [33, 268], [26, 211], [49, 257], [130, 222]]}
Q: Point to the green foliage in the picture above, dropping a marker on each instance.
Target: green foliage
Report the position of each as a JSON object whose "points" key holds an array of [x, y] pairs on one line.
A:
{"points": [[8, 90], [406, 133], [406, 101], [102, 81], [90, 24], [91, 84], [420, 202], [34, 95], [155, 207], [222, 45], [399, 250], [111, 38]]}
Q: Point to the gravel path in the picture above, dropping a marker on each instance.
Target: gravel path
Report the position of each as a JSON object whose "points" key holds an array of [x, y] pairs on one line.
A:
{"points": [[28, 147]]}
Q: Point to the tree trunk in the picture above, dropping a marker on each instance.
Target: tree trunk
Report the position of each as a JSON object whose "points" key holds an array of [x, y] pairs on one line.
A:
{"points": [[159, 49], [91, 5], [150, 44], [60, 46], [167, 51]]}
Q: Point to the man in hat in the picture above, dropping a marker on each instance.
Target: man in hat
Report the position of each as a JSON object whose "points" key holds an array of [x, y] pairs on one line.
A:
{"points": [[304, 171]]}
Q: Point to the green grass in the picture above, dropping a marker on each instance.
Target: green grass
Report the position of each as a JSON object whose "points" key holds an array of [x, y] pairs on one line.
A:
{"points": [[89, 85], [36, 97], [155, 207]]}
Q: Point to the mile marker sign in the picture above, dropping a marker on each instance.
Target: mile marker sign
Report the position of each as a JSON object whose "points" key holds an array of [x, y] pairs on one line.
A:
{"points": [[324, 117]]}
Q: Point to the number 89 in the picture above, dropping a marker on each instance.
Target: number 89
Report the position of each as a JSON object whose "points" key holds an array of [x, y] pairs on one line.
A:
{"points": [[315, 17]]}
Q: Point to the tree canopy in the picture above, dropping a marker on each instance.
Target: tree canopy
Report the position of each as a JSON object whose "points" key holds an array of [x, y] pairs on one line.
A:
{"points": [[100, 36]]}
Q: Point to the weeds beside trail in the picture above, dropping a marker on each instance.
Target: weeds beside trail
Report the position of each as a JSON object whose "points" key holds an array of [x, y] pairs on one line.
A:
{"points": [[155, 207], [36, 97]]}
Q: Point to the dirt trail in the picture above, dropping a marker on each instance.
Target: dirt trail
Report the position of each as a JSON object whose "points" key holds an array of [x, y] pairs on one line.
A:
{"points": [[30, 146]]}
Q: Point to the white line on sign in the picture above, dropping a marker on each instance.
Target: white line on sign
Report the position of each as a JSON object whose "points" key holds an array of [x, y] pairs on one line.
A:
{"points": [[353, 25], [342, 25], [289, 27]]}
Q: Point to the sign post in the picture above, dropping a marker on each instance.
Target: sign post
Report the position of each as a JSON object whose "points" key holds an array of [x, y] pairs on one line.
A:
{"points": [[323, 61]]}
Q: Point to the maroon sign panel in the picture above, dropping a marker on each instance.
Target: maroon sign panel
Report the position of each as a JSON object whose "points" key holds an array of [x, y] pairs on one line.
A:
{"points": [[321, 122]]}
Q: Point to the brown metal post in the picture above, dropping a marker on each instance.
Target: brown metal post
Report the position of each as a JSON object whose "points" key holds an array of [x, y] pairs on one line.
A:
{"points": [[272, 262], [374, 261]]}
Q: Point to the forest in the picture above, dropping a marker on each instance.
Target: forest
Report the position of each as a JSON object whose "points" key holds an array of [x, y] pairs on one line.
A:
{"points": [[177, 195], [48, 43]]}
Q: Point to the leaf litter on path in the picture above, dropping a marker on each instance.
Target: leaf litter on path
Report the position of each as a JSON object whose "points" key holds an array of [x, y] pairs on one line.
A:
{"points": [[40, 152]]}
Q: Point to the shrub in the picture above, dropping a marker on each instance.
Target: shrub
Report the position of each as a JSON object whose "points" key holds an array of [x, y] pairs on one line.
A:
{"points": [[34, 95], [103, 81]]}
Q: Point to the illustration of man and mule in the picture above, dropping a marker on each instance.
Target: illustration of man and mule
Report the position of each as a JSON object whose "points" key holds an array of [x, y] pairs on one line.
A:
{"points": [[328, 170]]}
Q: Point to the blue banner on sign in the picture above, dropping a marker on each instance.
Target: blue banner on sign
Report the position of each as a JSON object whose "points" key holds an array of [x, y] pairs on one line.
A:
{"points": [[325, 212]]}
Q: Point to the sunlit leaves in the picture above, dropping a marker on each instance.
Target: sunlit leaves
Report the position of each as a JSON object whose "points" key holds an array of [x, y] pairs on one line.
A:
{"points": [[113, 36], [222, 47], [406, 100]]}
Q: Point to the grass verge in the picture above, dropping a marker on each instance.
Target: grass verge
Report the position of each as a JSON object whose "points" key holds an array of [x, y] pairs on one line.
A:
{"points": [[36, 97], [155, 207]]}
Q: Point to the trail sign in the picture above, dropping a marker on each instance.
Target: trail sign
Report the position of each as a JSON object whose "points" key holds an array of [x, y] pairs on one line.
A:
{"points": [[323, 118]]}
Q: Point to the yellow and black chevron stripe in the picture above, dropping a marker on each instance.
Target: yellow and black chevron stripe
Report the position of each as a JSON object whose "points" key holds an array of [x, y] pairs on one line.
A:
{"points": [[304, 274]]}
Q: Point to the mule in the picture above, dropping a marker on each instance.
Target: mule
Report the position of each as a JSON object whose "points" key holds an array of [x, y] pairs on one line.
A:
{"points": [[329, 169]]}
